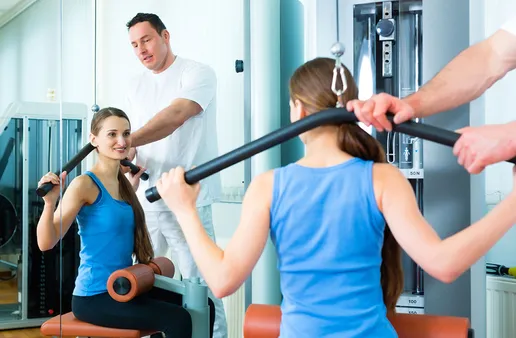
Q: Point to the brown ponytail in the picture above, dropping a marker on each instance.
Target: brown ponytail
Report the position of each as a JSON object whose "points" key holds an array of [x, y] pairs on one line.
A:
{"points": [[142, 243], [311, 84]]}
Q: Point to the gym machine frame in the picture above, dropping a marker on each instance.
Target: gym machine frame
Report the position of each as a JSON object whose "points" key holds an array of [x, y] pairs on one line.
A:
{"points": [[432, 21], [387, 54], [24, 113]]}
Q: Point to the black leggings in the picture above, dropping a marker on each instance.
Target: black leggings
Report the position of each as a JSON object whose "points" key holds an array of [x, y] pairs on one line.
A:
{"points": [[157, 309]]}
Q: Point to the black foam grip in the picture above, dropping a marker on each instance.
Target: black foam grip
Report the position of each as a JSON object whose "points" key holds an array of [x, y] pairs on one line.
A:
{"points": [[329, 116], [46, 187], [134, 169]]}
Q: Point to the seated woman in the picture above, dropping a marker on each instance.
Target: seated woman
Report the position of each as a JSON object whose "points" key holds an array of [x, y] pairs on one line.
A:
{"points": [[336, 218], [112, 228]]}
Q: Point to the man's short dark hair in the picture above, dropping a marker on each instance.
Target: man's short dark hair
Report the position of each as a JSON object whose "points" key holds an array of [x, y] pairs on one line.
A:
{"points": [[152, 19]]}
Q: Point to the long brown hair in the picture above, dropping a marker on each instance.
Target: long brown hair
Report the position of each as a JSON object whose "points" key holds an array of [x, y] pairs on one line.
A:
{"points": [[311, 85], [142, 243]]}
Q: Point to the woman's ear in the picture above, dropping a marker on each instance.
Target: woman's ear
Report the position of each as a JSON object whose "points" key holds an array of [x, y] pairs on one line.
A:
{"points": [[92, 140], [300, 109]]}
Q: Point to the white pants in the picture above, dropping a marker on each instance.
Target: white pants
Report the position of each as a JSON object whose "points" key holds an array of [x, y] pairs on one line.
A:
{"points": [[166, 233]]}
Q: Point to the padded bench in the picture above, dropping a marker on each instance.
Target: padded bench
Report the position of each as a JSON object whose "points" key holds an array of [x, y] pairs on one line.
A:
{"points": [[263, 321], [71, 326]]}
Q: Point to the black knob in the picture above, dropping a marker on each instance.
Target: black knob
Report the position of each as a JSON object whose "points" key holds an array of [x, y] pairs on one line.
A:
{"points": [[385, 27], [121, 286], [239, 66], [152, 194]]}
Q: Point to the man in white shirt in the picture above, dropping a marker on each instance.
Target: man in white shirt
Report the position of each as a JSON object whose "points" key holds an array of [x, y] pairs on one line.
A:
{"points": [[172, 108], [464, 79]]}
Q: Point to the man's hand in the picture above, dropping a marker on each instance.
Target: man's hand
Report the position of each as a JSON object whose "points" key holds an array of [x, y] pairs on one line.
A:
{"points": [[372, 111], [479, 147]]}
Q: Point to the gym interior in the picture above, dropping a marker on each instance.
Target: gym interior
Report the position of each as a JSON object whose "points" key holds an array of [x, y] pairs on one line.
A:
{"points": [[62, 59]]}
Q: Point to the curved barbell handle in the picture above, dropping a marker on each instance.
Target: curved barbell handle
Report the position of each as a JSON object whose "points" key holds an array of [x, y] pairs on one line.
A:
{"points": [[328, 116]]}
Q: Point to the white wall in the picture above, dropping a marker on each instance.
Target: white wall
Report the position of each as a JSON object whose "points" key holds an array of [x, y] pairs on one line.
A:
{"points": [[29, 54], [499, 109]]}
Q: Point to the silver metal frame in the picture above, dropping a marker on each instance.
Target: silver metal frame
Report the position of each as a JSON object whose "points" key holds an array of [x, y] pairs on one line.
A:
{"points": [[195, 301], [248, 298], [32, 111]]}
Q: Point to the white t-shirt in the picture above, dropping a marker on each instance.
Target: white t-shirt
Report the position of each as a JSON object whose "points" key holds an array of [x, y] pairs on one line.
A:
{"points": [[194, 143], [510, 25]]}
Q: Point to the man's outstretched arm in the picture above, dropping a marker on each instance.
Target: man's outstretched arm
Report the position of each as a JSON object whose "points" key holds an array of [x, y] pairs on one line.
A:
{"points": [[462, 80], [165, 122], [467, 76]]}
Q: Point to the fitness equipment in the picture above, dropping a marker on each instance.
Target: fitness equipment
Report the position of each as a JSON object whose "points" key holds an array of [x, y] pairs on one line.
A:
{"points": [[388, 42], [325, 117], [134, 169], [29, 146], [69, 166], [263, 321], [500, 270], [9, 222], [123, 285], [81, 155]]}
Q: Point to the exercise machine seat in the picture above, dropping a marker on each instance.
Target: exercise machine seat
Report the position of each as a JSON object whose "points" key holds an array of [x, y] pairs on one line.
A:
{"points": [[71, 326], [263, 321]]}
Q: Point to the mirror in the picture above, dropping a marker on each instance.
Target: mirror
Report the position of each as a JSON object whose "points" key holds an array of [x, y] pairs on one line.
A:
{"points": [[30, 129], [99, 67]]}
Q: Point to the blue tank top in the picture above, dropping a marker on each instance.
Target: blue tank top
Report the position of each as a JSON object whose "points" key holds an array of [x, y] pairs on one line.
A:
{"points": [[106, 228], [328, 234]]}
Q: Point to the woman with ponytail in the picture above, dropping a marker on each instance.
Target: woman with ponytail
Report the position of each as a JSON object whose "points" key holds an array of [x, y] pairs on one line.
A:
{"points": [[336, 217], [112, 230]]}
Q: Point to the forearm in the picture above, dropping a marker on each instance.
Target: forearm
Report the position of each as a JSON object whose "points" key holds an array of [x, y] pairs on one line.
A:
{"points": [[208, 257], [458, 252], [512, 141], [160, 126], [464, 79], [46, 230]]}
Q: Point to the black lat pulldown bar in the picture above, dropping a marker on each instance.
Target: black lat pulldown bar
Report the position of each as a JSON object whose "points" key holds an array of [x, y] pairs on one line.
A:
{"points": [[45, 188], [325, 117]]}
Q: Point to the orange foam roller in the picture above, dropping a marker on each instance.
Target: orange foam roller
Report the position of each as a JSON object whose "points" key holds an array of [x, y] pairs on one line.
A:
{"points": [[163, 266], [125, 284]]}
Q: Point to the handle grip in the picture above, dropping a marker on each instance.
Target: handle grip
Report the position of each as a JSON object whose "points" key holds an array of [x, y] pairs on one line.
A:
{"points": [[134, 169], [329, 116], [45, 188]]}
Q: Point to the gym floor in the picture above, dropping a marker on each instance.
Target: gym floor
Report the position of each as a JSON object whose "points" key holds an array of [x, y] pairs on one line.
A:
{"points": [[9, 294], [24, 333]]}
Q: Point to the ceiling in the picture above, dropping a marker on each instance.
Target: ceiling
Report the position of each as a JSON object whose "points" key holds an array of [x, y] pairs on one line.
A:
{"points": [[9, 9]]}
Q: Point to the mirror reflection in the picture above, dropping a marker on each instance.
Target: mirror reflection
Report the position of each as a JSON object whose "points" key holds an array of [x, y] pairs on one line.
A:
{"points": [[30, 130], [181, 96]]}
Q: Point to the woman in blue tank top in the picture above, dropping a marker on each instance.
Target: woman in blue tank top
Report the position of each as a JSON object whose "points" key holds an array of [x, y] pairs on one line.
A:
{"points": [[112, 228], [337, 218]]}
